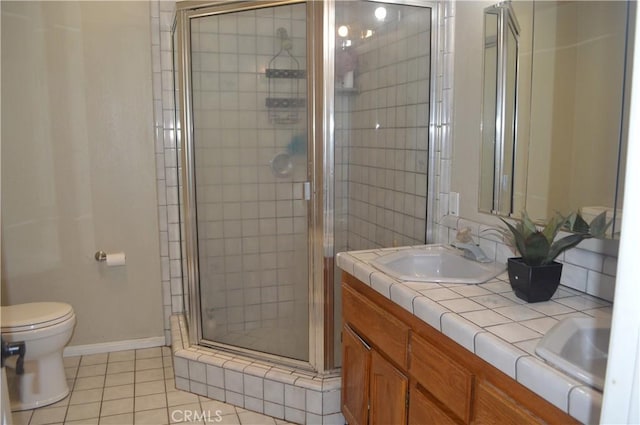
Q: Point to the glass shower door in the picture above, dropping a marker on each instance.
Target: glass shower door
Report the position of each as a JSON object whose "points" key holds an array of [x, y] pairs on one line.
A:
{"points": [[249, 122]]}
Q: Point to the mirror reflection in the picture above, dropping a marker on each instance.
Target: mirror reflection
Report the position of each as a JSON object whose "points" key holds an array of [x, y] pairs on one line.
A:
{"points": [[499, 114], [571, 128]]}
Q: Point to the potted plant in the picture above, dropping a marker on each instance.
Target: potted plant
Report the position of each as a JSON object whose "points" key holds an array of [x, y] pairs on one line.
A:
{"points": [[535, 275]]}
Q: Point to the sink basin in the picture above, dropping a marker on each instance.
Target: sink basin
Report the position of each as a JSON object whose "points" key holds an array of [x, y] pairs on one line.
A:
{"points": [[436, 263], [578, 346]]}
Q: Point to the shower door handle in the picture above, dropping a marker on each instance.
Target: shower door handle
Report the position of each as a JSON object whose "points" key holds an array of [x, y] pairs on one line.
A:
{"points": [[306, 191]]}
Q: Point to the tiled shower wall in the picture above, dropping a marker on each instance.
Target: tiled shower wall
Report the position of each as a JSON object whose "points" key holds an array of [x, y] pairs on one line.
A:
{"points": [[162, 15], [385, 145]]}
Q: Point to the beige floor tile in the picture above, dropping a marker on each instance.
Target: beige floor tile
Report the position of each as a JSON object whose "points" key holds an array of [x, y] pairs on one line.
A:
{"points": [[255, 419], [176, 398], [149, 402], [64, 402], [91, 370], [169, 373], [152, 363], [146, 353], [119, 367], [149, 375], [22, 418], [151, 387], [91, 421], [73, 361], [189, 413], [230, 420], [218, 406], [124, 419], [48, 415], [71, 372], [88, 383], [152, 417], [83, 411], [116, 407], [119, 379], [86, 396], [121, 356], [120, 391], [93, 359]]}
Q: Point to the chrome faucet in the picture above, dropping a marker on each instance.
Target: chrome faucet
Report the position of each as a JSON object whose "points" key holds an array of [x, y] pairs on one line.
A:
{"points": [[472, 252]]}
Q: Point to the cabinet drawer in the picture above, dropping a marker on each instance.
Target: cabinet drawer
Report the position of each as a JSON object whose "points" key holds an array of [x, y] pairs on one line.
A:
{"points": [[447, 381], [492, 406], [424, 411], [376, 326]]}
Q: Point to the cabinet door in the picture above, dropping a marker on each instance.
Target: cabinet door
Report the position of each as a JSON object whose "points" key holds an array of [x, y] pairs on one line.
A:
{"points": [[356, 363], [388, 392], [492, 406], [423, 410]]}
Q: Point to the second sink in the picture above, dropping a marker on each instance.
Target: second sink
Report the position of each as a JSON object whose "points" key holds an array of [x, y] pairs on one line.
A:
{"points": [[578, 346]]}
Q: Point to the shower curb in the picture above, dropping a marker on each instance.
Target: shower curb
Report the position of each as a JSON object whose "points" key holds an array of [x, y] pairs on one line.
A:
{"points": [[285, 393]]}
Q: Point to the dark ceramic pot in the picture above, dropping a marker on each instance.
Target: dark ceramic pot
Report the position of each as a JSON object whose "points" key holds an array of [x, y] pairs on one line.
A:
{"points": [[533, 283]]}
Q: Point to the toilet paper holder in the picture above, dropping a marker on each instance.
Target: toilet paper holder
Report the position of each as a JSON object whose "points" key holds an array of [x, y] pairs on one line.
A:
{"points": [[101, 256]]}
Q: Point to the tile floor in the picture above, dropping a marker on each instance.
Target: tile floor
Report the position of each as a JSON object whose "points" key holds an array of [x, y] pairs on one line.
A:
{"points": [[133, 387]]}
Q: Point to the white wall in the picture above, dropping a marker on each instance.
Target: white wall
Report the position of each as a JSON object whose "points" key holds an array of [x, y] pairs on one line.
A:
{"points": [[78, 170]]}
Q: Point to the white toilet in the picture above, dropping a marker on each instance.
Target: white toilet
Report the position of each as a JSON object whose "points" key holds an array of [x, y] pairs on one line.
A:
{"points": [[45, 328]]}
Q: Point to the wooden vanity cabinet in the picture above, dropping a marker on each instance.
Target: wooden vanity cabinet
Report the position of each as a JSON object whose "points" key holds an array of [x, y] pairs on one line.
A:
{"points": [[375, 385], [396, 369]]}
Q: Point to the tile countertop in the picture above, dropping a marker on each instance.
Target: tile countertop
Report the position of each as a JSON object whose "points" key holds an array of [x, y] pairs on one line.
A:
{"points": [[490, 321]]}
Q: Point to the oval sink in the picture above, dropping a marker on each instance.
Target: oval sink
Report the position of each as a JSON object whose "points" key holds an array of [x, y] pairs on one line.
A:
{"points": [[436, 263], [578, 346]]}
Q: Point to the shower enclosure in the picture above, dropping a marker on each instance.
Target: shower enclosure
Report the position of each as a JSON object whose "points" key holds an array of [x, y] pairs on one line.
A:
{"points": [[304, 131]]}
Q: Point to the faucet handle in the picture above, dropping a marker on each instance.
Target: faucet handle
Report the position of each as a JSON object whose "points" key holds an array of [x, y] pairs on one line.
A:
{"points": [[464, 235]]}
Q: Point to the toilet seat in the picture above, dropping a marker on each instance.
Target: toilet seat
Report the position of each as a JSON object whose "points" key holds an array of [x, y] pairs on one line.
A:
{"points": [[32, 316]]}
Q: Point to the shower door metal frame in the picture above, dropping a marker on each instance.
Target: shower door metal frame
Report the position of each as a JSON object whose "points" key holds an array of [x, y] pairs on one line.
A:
{"points": [[317, 303]]}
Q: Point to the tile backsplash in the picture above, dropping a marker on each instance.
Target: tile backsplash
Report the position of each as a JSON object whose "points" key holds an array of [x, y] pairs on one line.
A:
{"points": [[589, 268]]}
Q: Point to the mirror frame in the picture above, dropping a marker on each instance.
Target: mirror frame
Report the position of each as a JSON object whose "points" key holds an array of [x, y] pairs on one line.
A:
{"points": [[501, 131]]}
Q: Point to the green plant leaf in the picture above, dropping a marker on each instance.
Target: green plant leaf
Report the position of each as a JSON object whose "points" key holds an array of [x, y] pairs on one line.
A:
{"points": [[599, 225], [517, 238], [536, 249], [528, 226], [563, 244], [550, 231], [579, 225]]}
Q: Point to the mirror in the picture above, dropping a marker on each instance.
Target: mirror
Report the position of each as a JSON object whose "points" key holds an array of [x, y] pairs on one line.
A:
{"points": [[499, 108], [570, 111]]}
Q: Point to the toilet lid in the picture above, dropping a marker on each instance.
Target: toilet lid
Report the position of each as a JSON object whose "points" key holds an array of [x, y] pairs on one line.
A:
{"points": [[28, 316]]}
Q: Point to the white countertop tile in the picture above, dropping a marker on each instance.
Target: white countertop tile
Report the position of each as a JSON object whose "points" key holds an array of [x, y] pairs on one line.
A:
{"points": [[460, 330], [493, 301], [441, 294], [381, 283], [429, 311], [485, 318], [496, 286], [403, 296], [518, 313], [545, 381], [470, 290], [550, 308], [462, 305], [541, 325], [585, 404], [501, 356], [513, 332]]}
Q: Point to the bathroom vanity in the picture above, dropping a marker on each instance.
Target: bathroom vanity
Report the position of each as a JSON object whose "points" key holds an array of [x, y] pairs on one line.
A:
{"points": [[408, 359]]}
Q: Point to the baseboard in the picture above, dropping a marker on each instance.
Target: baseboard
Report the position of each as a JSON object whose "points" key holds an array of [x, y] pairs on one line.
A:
{"points": [[107, 347]]}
